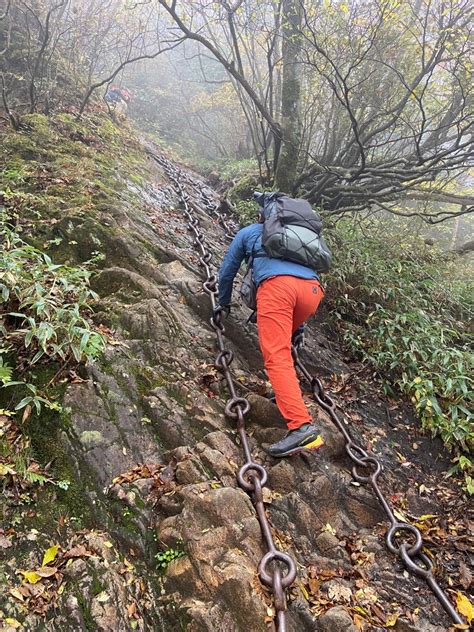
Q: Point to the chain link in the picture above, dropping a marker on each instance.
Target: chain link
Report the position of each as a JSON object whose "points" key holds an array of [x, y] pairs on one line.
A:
{"points": [[402, 539], [277, 570]]}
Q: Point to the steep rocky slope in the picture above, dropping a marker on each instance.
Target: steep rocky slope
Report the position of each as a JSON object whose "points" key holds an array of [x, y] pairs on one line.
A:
{"points": [[152, 459]]}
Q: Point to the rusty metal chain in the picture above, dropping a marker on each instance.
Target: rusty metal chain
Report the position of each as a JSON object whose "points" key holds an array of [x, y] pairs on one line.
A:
{"points": [[402, 538], [252, 476], [225, 221]]}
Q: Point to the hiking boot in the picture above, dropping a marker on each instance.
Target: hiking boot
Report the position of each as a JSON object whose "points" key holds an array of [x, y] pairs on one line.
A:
{"points": [[306, 437]]}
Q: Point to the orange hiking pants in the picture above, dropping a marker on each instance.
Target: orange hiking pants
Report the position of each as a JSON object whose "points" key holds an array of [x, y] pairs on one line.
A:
{"points": [[283, 304]]}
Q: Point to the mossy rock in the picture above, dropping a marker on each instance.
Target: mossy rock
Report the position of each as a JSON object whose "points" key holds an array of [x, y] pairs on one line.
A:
{"points": [[243, 189], [21, 146], [40, 127]]}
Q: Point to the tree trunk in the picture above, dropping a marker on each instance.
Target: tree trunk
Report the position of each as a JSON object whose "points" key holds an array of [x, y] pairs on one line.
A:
{"points": [[286, 162]]}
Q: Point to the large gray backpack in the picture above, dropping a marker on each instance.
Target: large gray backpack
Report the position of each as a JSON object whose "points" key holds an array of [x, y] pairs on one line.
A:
{"points": [[292, 231]]}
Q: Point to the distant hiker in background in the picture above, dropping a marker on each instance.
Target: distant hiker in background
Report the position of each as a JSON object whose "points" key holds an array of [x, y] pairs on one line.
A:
{"points": [[113, 95], [125, 94], [288, 292], [119, 99]]}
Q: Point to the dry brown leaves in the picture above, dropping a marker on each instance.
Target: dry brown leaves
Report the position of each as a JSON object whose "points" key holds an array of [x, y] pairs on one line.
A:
{"points": [[144, 470], [328, 587], [110, 336], [42, 586], [162, 477]]}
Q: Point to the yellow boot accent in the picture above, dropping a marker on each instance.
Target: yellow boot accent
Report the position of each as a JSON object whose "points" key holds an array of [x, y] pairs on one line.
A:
{"points": [[315, 444]]}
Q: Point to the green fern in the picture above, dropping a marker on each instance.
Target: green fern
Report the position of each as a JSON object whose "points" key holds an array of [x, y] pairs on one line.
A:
{"points": [[6, 372]]}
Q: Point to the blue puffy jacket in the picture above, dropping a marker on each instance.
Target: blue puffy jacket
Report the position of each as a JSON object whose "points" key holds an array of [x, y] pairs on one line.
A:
{"points": [[248, 241]]}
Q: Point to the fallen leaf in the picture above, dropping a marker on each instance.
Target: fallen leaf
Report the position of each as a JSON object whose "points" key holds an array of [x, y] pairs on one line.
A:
{"points": [[267, 495], [46, 571], [314, 585], [359, 622], [78, 551], [304, 592], [6, 469], [391, 620], [129, 567], [465, 576], [50, 554], [32, 535], [31, 577], [26, 413], [362, 611], [102, 597], [464, 606], [5, 543], [14, 592], [13, 623], [399, 516], [339, 592]]}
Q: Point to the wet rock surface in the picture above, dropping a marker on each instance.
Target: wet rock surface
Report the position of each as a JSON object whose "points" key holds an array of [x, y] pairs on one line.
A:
{"points": [[157, 400]]}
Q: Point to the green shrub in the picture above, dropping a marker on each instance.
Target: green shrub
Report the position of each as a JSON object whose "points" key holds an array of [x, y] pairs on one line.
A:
{"points": [[247, 210], [243, 189], [401, 307], [43, 308]]}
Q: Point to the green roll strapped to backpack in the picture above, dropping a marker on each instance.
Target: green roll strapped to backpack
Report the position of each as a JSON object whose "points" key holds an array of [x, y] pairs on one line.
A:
{"points": [[292, 231]]}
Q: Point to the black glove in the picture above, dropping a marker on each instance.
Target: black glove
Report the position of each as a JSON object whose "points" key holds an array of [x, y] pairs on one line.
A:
{"points": [[297, 339], [219, 311]]}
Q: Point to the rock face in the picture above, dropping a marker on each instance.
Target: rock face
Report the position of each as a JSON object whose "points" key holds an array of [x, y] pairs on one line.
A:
{"points": [[157, 400]]}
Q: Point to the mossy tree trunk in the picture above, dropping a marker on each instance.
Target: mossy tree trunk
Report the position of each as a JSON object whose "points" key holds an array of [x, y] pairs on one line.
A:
{"points": [[286, 166]]}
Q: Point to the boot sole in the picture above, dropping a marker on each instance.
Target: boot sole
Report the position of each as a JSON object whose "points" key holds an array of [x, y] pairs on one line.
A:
{"points": [[312, 446]]}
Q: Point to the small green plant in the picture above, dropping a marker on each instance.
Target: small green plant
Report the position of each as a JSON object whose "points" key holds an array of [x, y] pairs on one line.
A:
{"points": [[43, 307], [164, 558], [247, 210], [63, 484], [6, 372], [238, 168], [35, 399]]}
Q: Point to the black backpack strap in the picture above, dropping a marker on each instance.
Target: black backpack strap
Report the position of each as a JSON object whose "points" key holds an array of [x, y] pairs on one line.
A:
{"points": [[255, 255]]}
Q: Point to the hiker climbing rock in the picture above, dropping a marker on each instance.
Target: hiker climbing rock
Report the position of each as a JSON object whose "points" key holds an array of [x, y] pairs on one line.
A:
{"points": [[288, 292], [119, 98]]}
